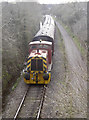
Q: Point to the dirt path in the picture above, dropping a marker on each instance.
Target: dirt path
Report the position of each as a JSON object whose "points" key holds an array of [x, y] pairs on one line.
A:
{"points": [[74, 58], [67, 97], [78, 73]]}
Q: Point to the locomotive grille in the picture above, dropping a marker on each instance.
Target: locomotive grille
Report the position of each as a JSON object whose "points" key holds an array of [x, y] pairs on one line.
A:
{"points": [[36, 65]]}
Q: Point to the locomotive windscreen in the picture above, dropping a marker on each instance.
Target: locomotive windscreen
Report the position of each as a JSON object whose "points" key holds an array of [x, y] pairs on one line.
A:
{"points": [[36, 65], [33, 64]]}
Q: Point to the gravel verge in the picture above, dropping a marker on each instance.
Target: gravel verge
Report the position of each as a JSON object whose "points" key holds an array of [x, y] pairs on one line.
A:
{"points": [[13, 100]]}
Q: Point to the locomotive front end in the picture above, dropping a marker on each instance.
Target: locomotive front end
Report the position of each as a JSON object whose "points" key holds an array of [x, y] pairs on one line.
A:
{"points": [[37, 66]]}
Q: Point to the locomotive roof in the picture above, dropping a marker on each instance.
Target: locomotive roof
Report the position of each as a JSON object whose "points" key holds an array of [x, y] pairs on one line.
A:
{"points": [[47, 28], [40, 42]]}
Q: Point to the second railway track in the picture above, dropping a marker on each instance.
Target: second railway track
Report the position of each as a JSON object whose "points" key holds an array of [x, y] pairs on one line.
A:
{"points": [[31, 103]]}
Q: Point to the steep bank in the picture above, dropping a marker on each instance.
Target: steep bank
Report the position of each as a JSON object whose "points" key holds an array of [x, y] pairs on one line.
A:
{"points": [[20, 22]]}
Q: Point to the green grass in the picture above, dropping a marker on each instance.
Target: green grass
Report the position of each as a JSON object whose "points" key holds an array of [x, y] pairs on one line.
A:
{"points": [[79, 46], [16, 83]]}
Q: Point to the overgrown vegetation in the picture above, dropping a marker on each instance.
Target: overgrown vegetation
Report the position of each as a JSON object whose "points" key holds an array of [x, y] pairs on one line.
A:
{"points": [[20, 23], [76, 40], [16, 83], [74, 15]]}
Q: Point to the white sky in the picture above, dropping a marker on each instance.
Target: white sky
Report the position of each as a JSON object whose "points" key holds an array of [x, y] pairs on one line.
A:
{"points": [[59, 1], [46, 1]]}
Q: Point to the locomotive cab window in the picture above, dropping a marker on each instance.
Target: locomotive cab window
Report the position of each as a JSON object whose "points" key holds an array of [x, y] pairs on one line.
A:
{"points": [[40, 46], [33, 46], [37, 65], [44, 46]]}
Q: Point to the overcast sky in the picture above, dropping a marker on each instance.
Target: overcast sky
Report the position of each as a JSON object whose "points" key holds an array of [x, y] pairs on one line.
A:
{"points": [[47, 1], [59, 1]]}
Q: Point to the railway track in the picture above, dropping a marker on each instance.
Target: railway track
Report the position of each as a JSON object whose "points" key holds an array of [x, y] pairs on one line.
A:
{"points": [[22, 101], [34, 106], [41, 103]]}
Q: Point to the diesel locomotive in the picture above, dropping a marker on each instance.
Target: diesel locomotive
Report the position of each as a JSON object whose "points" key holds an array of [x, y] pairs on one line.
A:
{"points": [[41, 49]]}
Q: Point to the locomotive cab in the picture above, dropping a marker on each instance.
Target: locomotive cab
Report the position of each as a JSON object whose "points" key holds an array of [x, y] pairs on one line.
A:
{"points": [[40, 45], [39, 63]]}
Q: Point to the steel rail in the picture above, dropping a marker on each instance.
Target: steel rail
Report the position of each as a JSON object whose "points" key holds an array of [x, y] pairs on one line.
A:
{"points": [[41, 103], [40, 106], [21, 103]]}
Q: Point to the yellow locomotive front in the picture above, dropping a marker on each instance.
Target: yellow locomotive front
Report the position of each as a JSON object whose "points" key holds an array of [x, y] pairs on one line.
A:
{"points": [[38, 66]]}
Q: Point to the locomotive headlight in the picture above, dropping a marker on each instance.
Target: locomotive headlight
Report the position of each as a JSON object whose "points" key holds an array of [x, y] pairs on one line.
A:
{"points": [[26, 75], [46, 76]]}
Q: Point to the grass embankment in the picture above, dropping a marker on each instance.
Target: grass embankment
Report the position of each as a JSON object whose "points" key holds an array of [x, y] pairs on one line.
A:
{"points": [[62, 48], [16, 35], [65, 82], [16, 83], [75, 39]]}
